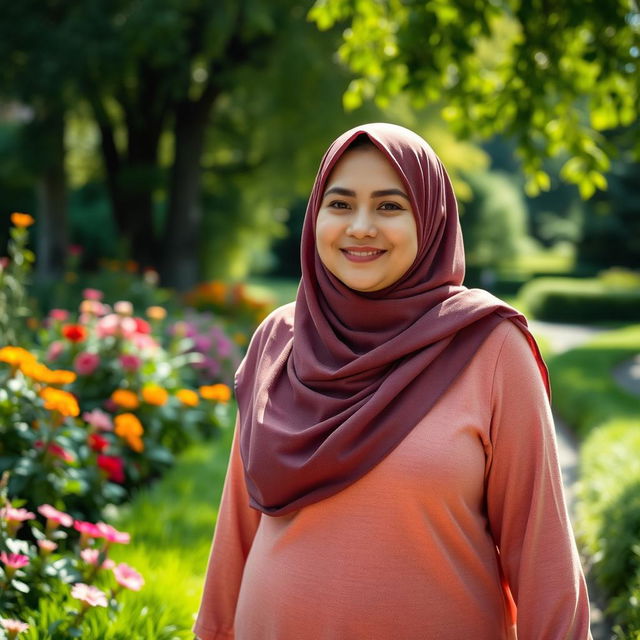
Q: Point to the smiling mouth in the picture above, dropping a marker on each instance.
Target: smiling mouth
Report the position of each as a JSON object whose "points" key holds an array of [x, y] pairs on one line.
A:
{"points": [[362, 255]]}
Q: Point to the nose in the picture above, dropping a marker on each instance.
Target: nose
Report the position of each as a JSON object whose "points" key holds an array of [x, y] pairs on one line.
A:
{"points": [[362, 224]]}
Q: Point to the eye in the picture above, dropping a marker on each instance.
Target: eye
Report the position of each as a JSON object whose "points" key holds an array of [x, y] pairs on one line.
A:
{"points": [[338, 204], [390, 206]]}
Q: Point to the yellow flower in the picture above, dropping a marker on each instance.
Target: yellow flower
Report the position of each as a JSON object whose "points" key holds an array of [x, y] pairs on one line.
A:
{"points": [[216, 392], [130, 429], [15, 356], [61, 401], [156, 313], [188, 397], [125, 399], [154, 394], [22, 219]]}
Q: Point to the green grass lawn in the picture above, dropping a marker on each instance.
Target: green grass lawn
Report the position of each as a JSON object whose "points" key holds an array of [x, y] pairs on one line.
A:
{"points": [[171, 526]]}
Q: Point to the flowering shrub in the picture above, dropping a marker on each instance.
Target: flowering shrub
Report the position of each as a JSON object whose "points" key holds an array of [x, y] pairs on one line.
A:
{"points": [[101, 406], [218, 356], [232, 302], [57, 555]]}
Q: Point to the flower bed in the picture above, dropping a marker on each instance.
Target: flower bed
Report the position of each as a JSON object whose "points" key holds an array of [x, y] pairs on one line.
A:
{"points": [[94, 403]]}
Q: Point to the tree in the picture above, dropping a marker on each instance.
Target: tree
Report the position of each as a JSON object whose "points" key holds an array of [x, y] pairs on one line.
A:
{"points": [[552, 76]]}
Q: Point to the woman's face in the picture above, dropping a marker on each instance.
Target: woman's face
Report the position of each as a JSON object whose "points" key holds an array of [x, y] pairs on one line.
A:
{"points": [[366, 232]]}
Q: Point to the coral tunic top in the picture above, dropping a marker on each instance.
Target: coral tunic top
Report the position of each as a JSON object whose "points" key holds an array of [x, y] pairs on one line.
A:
{"points": [[458, 527]]}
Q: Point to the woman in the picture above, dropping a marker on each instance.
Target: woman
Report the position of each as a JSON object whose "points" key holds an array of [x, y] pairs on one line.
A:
{"points": [[394, 472]]}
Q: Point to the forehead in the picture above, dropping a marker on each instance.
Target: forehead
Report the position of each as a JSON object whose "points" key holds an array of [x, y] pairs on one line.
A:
{"points": [[364, 166]]}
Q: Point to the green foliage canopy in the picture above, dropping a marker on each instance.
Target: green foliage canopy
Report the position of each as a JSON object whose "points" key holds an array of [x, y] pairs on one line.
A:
{"points": [[551, 76]]}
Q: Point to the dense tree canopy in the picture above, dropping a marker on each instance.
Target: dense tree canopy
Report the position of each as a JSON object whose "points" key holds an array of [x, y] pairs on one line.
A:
{"points": [[551, 75]]}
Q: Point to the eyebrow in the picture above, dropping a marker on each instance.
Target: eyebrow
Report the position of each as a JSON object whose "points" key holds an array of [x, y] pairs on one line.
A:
{"points": [[374, 194]]}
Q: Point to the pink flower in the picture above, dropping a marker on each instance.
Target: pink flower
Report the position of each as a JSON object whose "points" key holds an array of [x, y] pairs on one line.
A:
{"points": [[92, 294], [142, 341], [47, 546], [15, 518], [108, 325], [225, 347], [86, 363], [59, 315], [75, 249], [123, 308], [128, 327], [13, 627], [110, 534], [14, 560], [92, 556], [16, 515], [98, 420], [4, 262], [128, 577], [130, 362], [55, 350], [87, 529], [55, 517], [91, 596]]}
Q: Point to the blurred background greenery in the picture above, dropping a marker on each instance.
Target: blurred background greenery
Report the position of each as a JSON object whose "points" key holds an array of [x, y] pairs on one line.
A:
{"points": [[185, 135]]}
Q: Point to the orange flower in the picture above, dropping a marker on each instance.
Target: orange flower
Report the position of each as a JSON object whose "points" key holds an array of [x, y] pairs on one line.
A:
{"points": [[156, 313], [216, 392], [130, 429], [36, 371], [188, 397], [125, 399], [62, 376], [15, 356], [154, 394], [22, 219], [74, 332], [61, 401]]}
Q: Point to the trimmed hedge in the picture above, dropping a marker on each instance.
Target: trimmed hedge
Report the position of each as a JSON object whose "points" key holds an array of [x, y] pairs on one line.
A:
{"points": [[607, 418], [580, 300]]}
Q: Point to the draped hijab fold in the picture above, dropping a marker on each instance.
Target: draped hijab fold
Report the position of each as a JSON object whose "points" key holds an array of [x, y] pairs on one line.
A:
{"points": [[332, 385]]}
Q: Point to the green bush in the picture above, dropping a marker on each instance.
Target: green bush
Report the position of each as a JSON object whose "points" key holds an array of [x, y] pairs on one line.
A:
{"points": [[608, 508], [581, 300]]}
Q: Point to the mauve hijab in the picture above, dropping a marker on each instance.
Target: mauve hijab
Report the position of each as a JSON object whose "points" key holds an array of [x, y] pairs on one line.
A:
{"points": [[327, 391]]}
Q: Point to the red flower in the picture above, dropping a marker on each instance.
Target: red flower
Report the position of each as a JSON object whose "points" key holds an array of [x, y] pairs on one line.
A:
{"points": [[113, 467], [142, 326], [74, 332], [97, 442]]}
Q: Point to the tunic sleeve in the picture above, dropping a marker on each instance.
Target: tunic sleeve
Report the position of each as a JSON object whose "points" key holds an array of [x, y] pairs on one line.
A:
{"points": [[525, 503], [235, 530]]}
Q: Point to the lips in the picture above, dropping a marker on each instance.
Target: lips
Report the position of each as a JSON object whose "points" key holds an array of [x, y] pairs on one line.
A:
{"points": [[362, 254]]}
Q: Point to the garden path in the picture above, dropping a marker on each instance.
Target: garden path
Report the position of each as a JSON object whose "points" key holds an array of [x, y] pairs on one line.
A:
{"points": [[563, 337]]}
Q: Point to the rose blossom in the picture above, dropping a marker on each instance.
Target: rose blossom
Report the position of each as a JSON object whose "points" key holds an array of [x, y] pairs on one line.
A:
{"points": [[123, 308], [90, 596], [128, 577], [108, 325], [92, 294], [55, 350], [98, 420], [59, 315], [86, 363], [129, 362], [113, 467]]}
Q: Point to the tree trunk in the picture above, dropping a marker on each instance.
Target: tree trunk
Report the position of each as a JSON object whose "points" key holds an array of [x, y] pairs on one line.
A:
{"points": [[51, 192], [180, 265]]}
